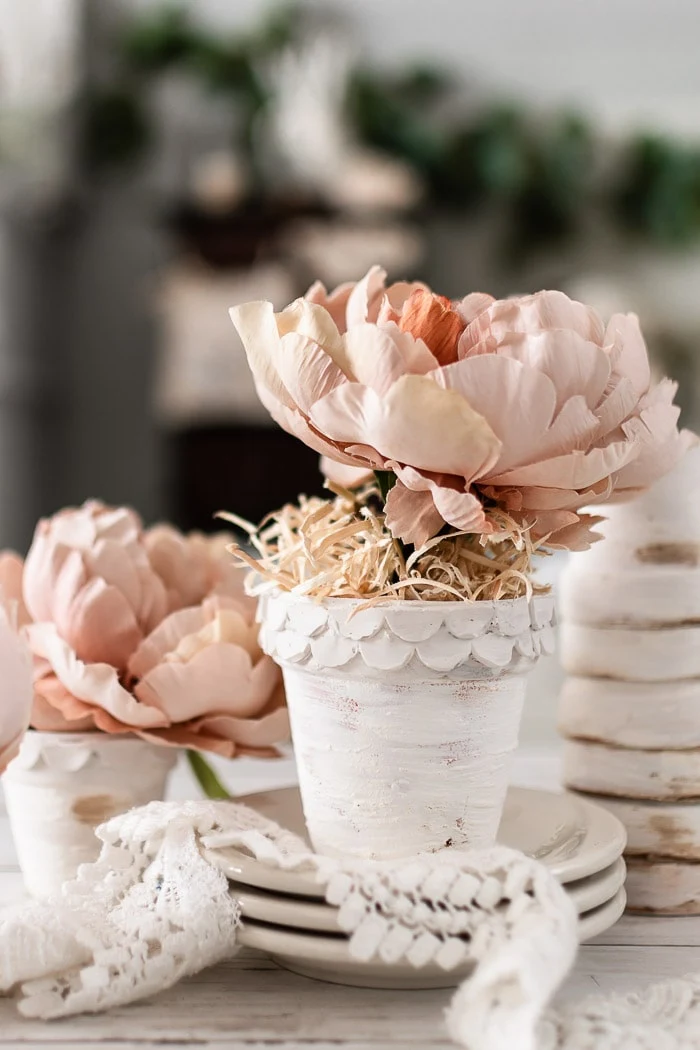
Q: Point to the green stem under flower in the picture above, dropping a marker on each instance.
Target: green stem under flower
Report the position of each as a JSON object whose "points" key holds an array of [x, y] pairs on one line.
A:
{"points": [[206, 777]]}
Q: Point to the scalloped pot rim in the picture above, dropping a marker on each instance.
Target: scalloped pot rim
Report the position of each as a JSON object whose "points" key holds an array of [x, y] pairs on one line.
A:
{"points": [[413, 606]]}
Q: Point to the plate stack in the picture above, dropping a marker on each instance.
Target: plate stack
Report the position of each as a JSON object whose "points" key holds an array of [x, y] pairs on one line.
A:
{"points": [[630, 710], [285, 913]]}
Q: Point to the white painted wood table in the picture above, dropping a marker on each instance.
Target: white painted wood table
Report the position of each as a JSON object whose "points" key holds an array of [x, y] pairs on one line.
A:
{"points": [[250, 1002]]}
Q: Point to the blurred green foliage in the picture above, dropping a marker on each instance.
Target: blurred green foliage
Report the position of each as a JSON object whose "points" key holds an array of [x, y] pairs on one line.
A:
{"points": [[543, 172]]}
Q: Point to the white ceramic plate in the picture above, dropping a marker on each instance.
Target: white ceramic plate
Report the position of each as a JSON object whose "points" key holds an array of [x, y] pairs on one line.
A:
{"points": [[328, 958], [301, 913], [573, 837]]}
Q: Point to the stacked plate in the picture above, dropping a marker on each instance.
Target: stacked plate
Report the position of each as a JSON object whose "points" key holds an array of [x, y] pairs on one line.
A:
{"points": [[286, 915]]}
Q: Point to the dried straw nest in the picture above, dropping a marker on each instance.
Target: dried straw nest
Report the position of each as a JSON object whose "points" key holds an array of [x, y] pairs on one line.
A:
{"points": [[340, 548]]}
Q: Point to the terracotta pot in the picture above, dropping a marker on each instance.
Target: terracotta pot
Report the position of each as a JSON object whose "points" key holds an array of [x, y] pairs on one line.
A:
{"points": [[62, 785], [404, 715]]}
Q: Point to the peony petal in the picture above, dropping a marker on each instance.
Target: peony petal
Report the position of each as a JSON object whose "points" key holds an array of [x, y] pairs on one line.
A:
{"points": [[218, 679], [367, 293], [412, 516], [531, 314], [375, 358], [346, 477], [96, 684], [417, 423], [165, 639], [433, 319], [257, 326], [518, 403], [100, 625], [316, 325], [11, 573], [576, 367], [307, 372], [53, 707], [473, 305], [334, 302], [16, 688], [629, 354]]}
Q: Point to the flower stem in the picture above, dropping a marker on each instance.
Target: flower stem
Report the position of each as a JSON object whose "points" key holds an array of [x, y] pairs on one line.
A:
{"points": [[386, 479], [206, 777]]}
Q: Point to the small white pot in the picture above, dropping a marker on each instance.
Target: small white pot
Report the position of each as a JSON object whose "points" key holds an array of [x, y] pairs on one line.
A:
{"points": [[62, 785], [404, 715]]}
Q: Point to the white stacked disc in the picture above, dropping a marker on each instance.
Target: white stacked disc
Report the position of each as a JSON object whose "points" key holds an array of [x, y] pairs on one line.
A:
{"points": [[630, 709]]}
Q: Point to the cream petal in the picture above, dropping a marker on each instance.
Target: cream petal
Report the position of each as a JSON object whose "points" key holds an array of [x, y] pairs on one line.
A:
{"points": [[615, 407], [117, 567], [315, 324], [417, 358], [462, 510], [375, 359], [41, 569], [307, 372], [251, 733], [367, 292], [412, 516], [294, 423], [340, 474], [217, 679], [629, 354], [257, 326], [96, 684], [653, 462], [417, 422]]}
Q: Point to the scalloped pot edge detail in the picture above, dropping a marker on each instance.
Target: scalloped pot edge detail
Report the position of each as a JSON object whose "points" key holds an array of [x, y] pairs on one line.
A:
{"points": [[71, 752], [430, 639]]}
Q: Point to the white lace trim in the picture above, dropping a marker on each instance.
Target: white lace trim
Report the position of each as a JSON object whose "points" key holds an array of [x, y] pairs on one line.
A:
{"points": [[152, 910]]}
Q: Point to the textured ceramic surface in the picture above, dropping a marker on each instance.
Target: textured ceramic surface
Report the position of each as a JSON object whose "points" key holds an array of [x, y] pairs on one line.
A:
{"points": [[425, 639], [647, 715], [631, 773], [664, 887], [305, 914], [378, 779], [635, 655], [668, 830], [328, 958], [62, 785], [570, 835]]}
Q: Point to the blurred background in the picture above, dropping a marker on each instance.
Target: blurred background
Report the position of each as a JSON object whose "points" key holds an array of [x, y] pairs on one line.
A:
{"points": [[160, 162]]}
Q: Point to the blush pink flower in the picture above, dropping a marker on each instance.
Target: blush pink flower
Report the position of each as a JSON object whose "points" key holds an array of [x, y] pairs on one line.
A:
{"points": [[529, 404], [15, 684], [194, 566], [88, 573]]}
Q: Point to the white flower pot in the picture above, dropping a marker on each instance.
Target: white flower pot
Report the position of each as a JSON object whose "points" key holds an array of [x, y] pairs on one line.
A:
{"points": [[62, 785], [404, 715]]}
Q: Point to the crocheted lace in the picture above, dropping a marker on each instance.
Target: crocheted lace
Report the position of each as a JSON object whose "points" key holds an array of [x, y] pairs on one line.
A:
{"points": [[152, 910]]}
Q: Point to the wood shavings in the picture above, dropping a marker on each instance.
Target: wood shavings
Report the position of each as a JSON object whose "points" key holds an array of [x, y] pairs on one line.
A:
{"points": [[340, 548]]}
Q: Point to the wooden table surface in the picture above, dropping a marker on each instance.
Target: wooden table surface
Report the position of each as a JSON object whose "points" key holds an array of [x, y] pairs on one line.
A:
{"points": [[250, 1002]]}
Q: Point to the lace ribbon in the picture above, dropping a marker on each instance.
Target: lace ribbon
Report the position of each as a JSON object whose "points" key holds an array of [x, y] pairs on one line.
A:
{"points": [[152, 910]]}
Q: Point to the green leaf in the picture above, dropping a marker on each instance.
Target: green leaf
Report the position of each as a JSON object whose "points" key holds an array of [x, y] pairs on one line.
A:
{"points": [[206, 777]]}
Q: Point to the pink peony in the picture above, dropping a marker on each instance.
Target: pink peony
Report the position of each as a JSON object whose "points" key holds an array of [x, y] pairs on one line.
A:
{"points": [[192, 677], [194, 566], [88, 573], [530, 404], [15, 684]]}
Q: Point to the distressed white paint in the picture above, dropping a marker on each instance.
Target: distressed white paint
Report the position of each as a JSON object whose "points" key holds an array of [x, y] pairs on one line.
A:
{"points": [[643, 596], [404, 715], [657, 829], [663, 887], [665, 654], [662, 715], [390, 769], [626, 772], [61, 786]]}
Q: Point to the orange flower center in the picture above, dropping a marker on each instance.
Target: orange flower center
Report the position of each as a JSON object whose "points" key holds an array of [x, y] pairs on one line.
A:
{"points": [[433, 319]]}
